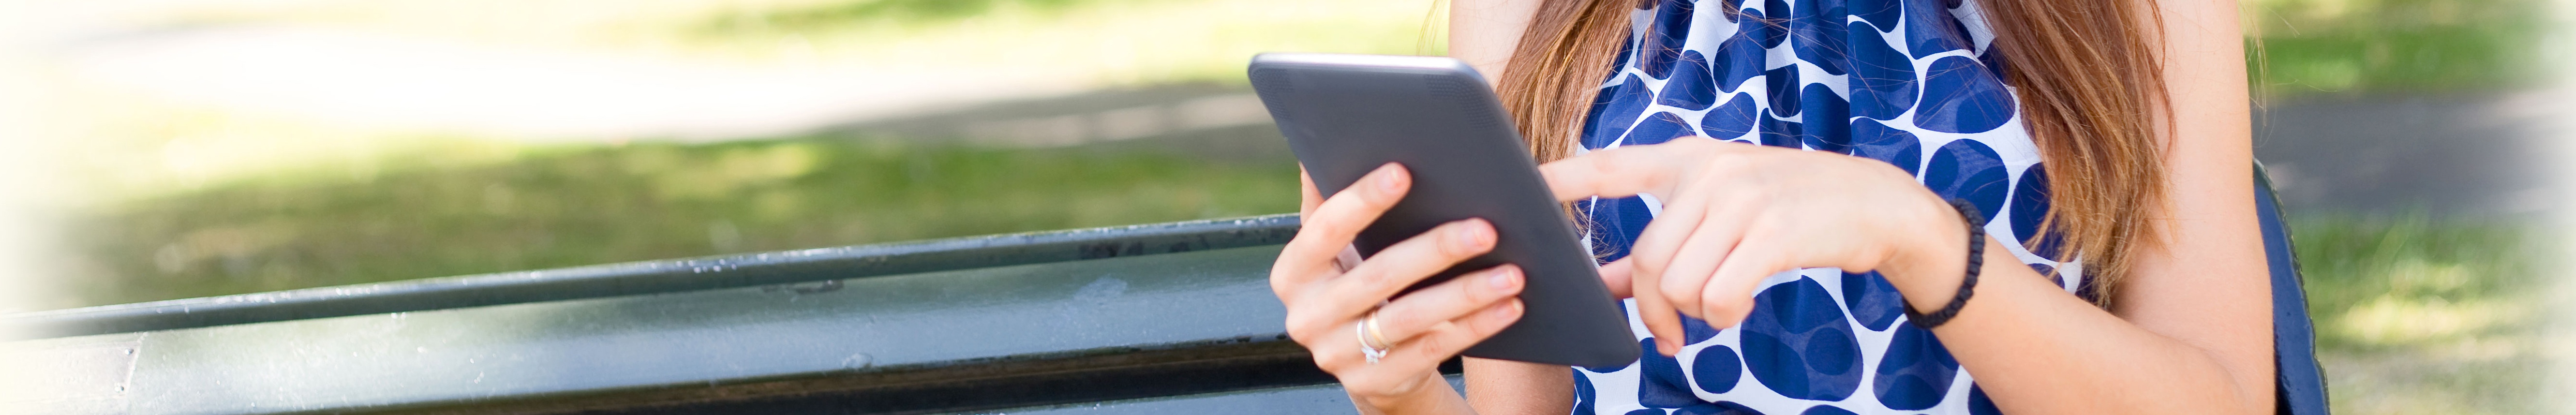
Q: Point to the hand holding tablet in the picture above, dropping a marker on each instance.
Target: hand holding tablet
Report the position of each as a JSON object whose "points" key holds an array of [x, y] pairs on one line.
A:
{"points": [[1418, 154]]}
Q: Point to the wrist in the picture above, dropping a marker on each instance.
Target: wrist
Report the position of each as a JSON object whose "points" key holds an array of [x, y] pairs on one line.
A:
{"points": [[1430, 396], [1931, 261]]}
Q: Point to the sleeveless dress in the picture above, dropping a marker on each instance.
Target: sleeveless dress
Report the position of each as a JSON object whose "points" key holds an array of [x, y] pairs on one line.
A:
{"points": [[1909, 82]]}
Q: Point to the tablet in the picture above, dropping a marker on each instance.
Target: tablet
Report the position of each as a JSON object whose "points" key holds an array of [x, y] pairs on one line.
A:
{"points": [[1345, 115]]}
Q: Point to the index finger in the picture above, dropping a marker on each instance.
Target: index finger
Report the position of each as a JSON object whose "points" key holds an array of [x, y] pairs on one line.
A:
{"points": [[1611, 173]]}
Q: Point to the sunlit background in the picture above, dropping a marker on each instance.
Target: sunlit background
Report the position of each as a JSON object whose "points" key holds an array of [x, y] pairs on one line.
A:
{"points": [[162, 149]]}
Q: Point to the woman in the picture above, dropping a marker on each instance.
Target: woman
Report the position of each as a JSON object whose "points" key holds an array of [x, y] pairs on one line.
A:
{"points": [[1842, 206]]}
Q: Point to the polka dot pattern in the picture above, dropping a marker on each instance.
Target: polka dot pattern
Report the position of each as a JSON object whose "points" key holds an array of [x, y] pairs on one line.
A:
{"points": [[1615, 224], [1740, 58], [1717, 408], [1916, 371], [1696, 330], [1882, 80], [1995, 62], [1879, 13], [1731, 120], [1876, 141], [1873, 303], [1657, 129], [1617, 108], [1689, 95], [2029, 209], [1931, 28], [1910, 83], [1967, 169], [1828, 120], [1671, 29], [1784, 86], [1769, 33], [1800, 345], [1960, 96], [1826, 410], [1664, 386], [1818, 28], [1782, 133], [1716, 369]]}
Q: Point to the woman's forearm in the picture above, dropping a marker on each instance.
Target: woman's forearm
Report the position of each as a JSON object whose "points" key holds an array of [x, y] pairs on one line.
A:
{"points": [[2036, 349], [1434, 398], [1504, 387]]}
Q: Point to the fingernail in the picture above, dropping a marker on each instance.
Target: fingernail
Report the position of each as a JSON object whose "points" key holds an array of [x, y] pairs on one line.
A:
{"points": [[1388, 179], [1501, 279], [1473, 236], [1504, 312]]}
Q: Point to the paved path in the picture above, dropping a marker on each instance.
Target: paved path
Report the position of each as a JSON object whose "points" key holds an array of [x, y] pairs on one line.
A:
{"points": [[2473, 155]]}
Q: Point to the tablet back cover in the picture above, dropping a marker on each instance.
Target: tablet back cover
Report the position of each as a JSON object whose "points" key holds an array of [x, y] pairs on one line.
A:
{"points": [[1345, 115]]}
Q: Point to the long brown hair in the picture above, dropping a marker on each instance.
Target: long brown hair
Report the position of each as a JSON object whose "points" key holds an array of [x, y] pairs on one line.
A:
{"points": [[2085, 72]]}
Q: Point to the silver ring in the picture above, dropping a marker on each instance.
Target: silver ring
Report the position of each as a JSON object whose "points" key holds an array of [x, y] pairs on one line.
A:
{"points": [[1365, 330]]}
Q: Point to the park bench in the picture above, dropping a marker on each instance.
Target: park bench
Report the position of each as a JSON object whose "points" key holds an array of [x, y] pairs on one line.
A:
{"points": [[1164, 318]]}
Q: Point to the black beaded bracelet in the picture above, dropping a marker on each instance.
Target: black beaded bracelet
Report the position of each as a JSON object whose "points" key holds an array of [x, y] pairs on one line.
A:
{"points": [[1968, 283]]}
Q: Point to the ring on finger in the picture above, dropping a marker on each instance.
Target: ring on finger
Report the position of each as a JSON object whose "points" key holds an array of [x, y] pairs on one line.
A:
{"points": [[1371, 334], [1372, 342]]}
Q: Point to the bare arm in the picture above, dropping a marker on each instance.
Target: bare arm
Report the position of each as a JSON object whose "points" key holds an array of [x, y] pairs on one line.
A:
{"points": [[1496, 387], [1484, 32], [2202, 300], [2194, 320]]}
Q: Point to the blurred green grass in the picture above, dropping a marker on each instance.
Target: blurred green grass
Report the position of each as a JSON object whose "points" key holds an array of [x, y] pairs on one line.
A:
{"points": [[2418, 315], [2382, 282], [579, 205], [2308, 47]]}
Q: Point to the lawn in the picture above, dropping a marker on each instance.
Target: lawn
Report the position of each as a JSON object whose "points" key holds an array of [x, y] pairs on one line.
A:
{"points": [[2310, 47], [579, 205], [2419, 315]]}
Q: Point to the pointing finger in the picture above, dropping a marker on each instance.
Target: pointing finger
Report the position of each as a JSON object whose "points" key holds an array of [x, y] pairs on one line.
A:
{"points": [[1612, 173]]}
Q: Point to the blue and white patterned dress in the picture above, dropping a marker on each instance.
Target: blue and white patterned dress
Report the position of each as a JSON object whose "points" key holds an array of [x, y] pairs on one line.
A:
{"points": [[1909, 82]]}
